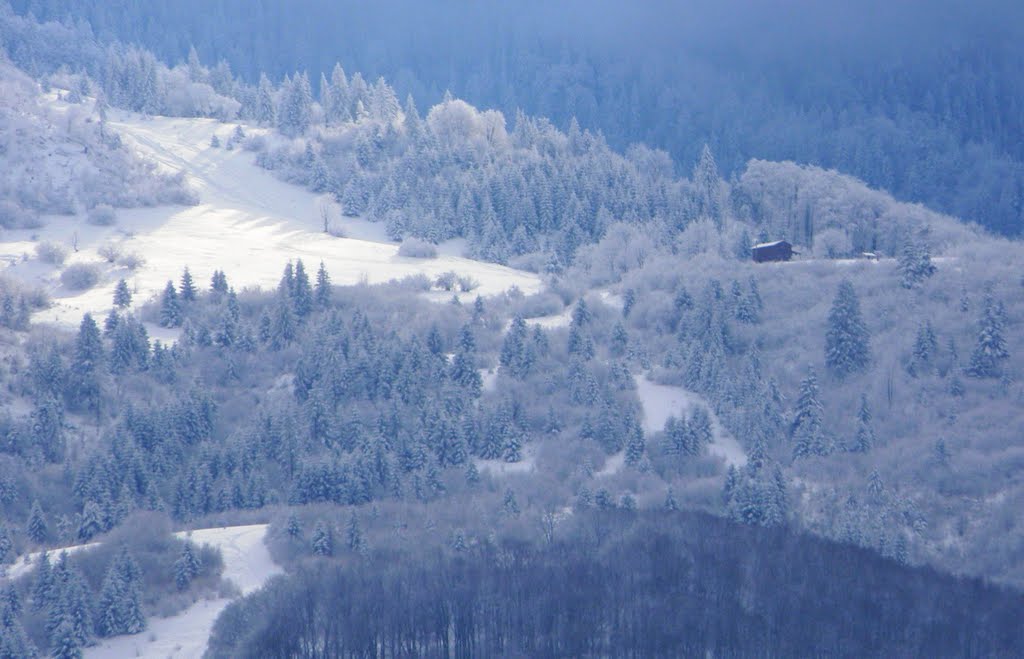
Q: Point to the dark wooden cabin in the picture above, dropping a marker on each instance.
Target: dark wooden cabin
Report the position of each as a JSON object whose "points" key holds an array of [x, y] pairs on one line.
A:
{"points": [[780, 250]]}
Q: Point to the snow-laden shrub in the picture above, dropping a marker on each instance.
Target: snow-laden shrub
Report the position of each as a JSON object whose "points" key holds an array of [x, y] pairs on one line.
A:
{"points": [[80, 276], [447, 281], [102, 215], [13, 216], [461, 127], [51, 253], [110, 252], [185, 98], [539, 305], [467, 284], [415, 248], [131, 260]]}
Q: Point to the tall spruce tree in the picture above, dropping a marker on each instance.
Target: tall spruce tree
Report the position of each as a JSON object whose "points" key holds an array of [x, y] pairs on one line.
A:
{"points": [[170, 307], [122, 295], [86, 365], [36, 528], [302, 292], [808, 434], [990, 350], [865, 437], [322, 539], [914, 263], [187, 289], [322, 294], [847, 342], [925, 347], [186, 567]]}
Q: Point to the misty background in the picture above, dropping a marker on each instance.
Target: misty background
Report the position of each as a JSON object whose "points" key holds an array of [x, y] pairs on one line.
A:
{"points": [[923, 99]]}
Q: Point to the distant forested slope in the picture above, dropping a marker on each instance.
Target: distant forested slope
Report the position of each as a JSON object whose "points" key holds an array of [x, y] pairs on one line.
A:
{"points": [[923, 99], [619, 584]]}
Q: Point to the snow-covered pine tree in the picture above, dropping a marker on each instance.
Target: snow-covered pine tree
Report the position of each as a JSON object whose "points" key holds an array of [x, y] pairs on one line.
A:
{"points": [[925, 347], [509, 504], [296, 107], [122, 295], [337, 110], [709, 187], [322, 539], [219, 282], [302, 292], [322, 291], [293, 527], [914, 263], [36, 528], [513, 349], [354, 533], [990, 350], [43, 588], [808, 434], [186, 567], [170, 307], [847, 341], [187, 290], [64, 644], [700, 429], [635, 443], [865, 437]]}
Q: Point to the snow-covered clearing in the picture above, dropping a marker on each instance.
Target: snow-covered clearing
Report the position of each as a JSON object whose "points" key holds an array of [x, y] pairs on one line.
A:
{"points": [[552, 322], [489, 378], [613, 464], [247, 564], [661, 401], [247, 223]]}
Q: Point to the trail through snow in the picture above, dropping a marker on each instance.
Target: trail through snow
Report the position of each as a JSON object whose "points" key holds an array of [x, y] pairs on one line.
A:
{"points": [[661, 401], [247, 223], [247, 564]]}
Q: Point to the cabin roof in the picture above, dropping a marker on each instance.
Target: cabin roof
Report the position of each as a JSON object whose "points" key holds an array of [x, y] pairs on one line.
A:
{"points": [[771, 244]]}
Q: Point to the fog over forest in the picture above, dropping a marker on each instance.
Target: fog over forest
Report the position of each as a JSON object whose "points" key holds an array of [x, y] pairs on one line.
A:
{"points": [[920, 98]]}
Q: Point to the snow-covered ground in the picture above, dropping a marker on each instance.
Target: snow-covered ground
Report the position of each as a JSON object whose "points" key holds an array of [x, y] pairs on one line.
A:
{"points": [[247, 223], [552, 322], [247, 564], [661, 401], [489, 378], [613, 464]]}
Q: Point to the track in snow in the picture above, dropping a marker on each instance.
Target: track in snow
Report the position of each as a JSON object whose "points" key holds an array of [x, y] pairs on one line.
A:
{"points": [[247, 564]]}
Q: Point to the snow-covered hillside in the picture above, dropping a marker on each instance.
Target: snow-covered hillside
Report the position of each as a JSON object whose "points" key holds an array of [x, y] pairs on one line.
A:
{"points": [[247, 223], [58, 157]]}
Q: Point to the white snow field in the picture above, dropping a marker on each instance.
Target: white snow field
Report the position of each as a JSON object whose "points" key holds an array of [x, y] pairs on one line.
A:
{"points": [[661, 401], [247, 223], [247, 564]]}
